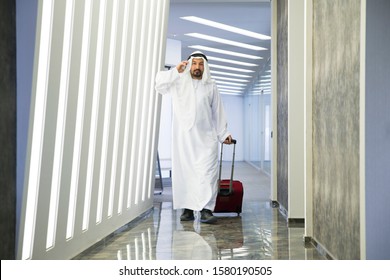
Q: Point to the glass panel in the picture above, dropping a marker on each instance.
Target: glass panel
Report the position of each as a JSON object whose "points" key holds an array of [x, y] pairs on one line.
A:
{"points": [[258, 122]]}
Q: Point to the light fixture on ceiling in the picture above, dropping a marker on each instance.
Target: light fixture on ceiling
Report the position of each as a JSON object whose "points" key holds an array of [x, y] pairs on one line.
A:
{"points": [[265, 88], [230, 91], [225, 41], [259, 92], [231, 61], [230, 87], [200, 47], [226, 27], [229, 74], [230, 68], [258, 87], [263, 84], [230, 83], [229, 79]]}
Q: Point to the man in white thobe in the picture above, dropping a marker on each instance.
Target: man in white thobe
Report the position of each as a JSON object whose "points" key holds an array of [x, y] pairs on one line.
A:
{"points": [[199, 124]]}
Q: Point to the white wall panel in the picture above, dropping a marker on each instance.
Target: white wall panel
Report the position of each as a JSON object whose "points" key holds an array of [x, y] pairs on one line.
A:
{"points": [[93, 123]]}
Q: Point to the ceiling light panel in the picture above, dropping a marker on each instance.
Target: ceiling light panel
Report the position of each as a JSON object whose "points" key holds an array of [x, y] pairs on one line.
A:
{"points": [[231, 61], [229, 90], [225, 41], [230, 83], [229, 74], [230, 79], [220, 51], [227, 27], [263, 84], [230, 87], [230, 93], [230, 68]]}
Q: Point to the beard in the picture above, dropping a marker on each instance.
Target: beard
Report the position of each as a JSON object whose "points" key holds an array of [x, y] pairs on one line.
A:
{"points": [[197, 73]]}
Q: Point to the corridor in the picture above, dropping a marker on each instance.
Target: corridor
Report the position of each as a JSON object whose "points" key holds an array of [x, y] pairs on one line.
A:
{"points": [[259, 233]]}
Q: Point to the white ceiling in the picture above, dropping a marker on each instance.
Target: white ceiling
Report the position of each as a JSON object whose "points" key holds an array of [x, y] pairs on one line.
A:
{"points": [[252, 15]]}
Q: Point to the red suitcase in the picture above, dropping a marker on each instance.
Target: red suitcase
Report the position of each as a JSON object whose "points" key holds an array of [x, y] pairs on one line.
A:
{"points": [[230, 192]]}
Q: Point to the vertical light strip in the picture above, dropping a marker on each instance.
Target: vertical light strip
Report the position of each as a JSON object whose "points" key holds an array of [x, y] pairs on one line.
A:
{"points": [[107, 112], [159, 62], [148, 109], [134, 94], [38, 128], [143, 242], [79, 118], [60, 126], [94, 117], [149, 164], [119, 108], [150, 241], [308, 120], [362, 131], [136, 249], [119, 255], [128, 251], [126, 143], [139, 108], [274, 100], [159, 38]]}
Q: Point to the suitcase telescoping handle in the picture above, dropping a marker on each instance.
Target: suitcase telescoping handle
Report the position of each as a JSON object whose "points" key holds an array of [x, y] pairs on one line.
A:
{"points": [[224, 191]]}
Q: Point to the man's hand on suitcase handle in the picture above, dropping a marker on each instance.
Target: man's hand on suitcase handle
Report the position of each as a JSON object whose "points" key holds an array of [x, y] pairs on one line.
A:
{"points": [[229, 140]]}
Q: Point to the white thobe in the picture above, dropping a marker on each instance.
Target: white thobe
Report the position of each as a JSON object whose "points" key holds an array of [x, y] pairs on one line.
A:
{"points": [[199, 123]]}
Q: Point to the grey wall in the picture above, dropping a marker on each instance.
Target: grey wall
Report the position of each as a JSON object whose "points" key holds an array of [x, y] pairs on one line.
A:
{"points": [[336, 66], [377, 129], [7, 128], [282, 103]]}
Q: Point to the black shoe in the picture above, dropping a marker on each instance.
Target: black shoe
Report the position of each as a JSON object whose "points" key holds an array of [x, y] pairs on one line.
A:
{"points": [[206, 216], [188, 215]]}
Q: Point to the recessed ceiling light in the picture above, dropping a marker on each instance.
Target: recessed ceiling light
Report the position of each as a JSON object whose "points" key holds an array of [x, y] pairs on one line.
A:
{"points": [[231, 91], [229, 74], [230, 79], [230, 87], [230, 68], [229, 83], [227, 27], [231, 61], [225, 41], [261, 87], [200, 47], [264, 84], [264, 88], [259, 92]]}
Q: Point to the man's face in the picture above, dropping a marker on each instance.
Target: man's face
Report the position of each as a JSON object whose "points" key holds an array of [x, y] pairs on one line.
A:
{"points": [[197, 68]]}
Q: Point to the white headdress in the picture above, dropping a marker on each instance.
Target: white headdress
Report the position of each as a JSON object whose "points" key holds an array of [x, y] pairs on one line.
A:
{"points": [[206, 72]]}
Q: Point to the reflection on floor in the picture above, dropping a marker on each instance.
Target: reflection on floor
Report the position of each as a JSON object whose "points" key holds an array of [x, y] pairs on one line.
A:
{"points": [[260, 232]]}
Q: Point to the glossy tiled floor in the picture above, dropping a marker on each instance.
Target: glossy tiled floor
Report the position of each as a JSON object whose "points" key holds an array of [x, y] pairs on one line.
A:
{"points": [[260, 232]]}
